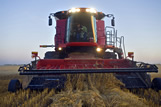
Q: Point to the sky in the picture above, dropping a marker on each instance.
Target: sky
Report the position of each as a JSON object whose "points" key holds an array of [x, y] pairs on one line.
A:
{"points": [[24, 26]]}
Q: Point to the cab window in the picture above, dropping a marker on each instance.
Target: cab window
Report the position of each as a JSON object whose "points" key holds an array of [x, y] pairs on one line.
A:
{"points": [[81, 27]]}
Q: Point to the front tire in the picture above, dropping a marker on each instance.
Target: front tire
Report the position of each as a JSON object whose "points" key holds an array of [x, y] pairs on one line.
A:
{"points": [[156, 84], [14, 85], [109, 55]]}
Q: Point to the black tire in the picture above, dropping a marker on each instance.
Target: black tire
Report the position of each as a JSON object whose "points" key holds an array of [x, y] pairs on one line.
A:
{"points": [[14, 85], [156, 84], [51, 55], [109, 55]]}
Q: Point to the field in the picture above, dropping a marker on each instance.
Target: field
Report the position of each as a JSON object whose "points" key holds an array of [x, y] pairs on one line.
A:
{"points": [[102, 90], [153, 75]]}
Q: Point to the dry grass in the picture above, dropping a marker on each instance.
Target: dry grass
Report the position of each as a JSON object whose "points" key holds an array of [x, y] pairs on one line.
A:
{"points": [[95, 90], [27, 98], [7, 70], [80, 90], [7, 73], [22, 98]]}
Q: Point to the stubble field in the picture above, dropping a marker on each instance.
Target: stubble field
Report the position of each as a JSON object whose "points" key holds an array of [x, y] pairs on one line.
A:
{"points": [[100, 90]]}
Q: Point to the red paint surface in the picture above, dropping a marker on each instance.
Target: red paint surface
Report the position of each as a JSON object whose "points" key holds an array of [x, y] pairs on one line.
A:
{"points": [[60, 32], [81, 44], [101, 37], [82, 63]]}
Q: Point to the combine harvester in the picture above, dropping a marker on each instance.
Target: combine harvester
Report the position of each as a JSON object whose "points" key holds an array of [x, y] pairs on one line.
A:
{"points": [[84, 45]]}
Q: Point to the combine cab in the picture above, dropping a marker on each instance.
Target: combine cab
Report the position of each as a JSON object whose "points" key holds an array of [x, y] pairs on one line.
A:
{"points": [[84, 45]]}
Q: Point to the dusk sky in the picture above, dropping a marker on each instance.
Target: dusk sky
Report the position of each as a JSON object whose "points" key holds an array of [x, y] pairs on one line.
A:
{"points": [[24, 26]]}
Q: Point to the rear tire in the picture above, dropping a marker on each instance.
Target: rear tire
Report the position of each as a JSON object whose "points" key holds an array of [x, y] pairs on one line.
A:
{"points": [[156, 84], [14, 85]]}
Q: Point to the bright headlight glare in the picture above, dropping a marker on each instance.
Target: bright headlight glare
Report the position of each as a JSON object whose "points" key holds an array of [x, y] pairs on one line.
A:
{"points": [[70, 11], [91, 10], [73, 10], [98, 49], [87, 10], [59, 48], [77, 10]]}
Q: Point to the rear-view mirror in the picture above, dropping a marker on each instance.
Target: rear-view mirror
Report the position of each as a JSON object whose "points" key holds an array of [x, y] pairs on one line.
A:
{"points": [[113, 21], [50, 21]]}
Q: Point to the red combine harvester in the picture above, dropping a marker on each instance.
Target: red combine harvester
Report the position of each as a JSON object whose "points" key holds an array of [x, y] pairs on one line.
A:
{"points": [[84, 45]]}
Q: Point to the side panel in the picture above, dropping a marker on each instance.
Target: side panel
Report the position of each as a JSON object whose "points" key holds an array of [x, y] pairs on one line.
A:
{"points": [[101, 37], [60, 32]]}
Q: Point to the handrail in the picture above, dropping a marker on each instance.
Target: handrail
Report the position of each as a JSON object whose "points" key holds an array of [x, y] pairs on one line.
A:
{"points": [[112, 38]]}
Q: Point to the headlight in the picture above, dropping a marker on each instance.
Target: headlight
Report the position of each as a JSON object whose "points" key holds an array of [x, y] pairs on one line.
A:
{"points": [[98, 49], [59, 48], [73, 10], [91, 10]]}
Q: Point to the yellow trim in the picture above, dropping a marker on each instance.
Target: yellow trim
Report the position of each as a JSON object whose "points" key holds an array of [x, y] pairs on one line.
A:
{"points": [[34, 52], [93, 29]]}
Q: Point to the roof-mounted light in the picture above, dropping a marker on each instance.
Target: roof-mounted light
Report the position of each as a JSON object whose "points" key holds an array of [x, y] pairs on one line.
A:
{"points": [[91, 10], [73, 10]]}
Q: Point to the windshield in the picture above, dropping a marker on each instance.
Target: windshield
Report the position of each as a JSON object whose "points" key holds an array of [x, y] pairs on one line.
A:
{"points": [[81, 27]]}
